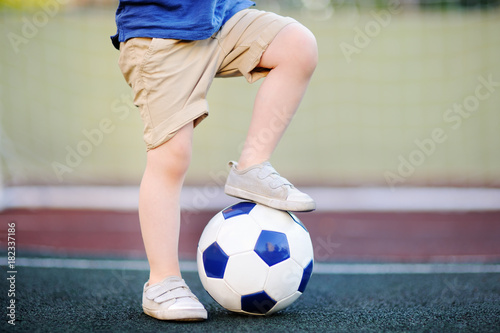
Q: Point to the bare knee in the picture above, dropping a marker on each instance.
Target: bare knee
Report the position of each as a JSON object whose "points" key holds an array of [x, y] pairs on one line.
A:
{"points": [[296, 46], [172, 159], [305, 47]]}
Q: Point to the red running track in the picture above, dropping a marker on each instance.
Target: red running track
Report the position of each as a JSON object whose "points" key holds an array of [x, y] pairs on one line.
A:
{"points": [[366, 236]]}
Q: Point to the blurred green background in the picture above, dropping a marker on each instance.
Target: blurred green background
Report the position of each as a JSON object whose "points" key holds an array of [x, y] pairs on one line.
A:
{"points": [[390, 74]]}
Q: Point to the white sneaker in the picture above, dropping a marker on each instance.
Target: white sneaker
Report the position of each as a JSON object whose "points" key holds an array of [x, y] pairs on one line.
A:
{"points": [[262, 184], [171, 299]]}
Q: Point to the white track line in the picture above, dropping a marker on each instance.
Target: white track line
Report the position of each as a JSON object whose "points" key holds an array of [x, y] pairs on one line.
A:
{"points": [[319, 268], [324, 268], [202, 198]]}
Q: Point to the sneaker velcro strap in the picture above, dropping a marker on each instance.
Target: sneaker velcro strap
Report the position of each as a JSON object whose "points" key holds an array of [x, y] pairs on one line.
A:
{"points": [[165, 287], [177, 293], [267, 170]]}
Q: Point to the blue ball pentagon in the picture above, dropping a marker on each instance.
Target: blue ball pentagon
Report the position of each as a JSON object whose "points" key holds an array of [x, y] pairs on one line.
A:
{"points": [[272, 247], [240, 208], [215, 261], [258, 303], [305, 277]]}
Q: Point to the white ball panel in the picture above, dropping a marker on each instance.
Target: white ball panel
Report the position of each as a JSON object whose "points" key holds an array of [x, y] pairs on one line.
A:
{"points": [[210, 232], [246, 273], [271, 219], [238, 234], [201, 269], [283, 279], [285, 302], [224, 294], [301, 249]]}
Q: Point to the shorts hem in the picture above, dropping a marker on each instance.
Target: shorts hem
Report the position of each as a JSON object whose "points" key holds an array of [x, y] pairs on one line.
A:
{"points": [[259, 46], [168, 128]]}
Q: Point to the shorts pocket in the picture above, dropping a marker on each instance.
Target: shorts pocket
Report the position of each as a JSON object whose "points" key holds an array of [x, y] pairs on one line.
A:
{"points": [[158, 50]]}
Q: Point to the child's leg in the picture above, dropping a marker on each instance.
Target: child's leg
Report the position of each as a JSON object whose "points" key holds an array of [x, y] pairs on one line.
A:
{"points": [[159, 208], [292, 57], [166, 296]]}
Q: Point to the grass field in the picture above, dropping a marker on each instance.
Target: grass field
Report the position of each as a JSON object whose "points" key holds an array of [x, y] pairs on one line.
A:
{"points": [[362, 116]]}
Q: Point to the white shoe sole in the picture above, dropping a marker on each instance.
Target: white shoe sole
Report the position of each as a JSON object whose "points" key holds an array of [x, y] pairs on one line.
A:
{"points": [[292, 206], [177, 315]]}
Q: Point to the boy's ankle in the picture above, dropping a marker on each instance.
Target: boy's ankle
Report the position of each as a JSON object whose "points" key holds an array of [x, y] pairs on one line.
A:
{"points": [[247, 164], [157, 278]]}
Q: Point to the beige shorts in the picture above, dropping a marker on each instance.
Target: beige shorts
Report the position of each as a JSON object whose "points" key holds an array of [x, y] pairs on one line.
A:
{"points": [[170, 78]]}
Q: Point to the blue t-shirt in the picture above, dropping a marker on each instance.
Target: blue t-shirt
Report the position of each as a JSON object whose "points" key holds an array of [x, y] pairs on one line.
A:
{"points": [[173, 19]]}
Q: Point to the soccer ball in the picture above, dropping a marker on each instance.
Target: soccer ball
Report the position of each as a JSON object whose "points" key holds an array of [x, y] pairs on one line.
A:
{"points": [[254, 259]]}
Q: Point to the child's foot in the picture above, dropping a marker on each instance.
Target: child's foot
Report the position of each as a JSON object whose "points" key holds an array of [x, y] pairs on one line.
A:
{"points": [[171, 299], [262, 184]]}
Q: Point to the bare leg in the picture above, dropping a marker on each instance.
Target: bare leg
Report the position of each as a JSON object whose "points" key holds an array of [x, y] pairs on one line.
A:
{"points": [[159, 207], [292, 57]]}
